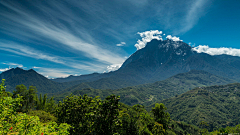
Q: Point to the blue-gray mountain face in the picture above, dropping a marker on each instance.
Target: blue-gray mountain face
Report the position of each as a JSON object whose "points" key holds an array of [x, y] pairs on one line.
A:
{"points": [[162, 59], [159, 60]]}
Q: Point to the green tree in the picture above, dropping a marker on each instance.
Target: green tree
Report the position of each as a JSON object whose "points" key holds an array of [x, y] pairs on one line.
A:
{"points": [[107, 121], [28, 97], [160, 115], [79, 112]]}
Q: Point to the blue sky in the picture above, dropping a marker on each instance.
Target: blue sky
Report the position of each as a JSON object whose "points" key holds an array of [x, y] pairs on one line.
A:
{"points": [[59, 38]]}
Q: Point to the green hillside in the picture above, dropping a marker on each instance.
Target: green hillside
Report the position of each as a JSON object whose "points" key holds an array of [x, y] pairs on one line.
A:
{"points": [[217, 105]]}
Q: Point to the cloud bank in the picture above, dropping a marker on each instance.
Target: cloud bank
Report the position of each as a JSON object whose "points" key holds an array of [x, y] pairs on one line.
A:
{"points": [[217, 51], [147, 36]]}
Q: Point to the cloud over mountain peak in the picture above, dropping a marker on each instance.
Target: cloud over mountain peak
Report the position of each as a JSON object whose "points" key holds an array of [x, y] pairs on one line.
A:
{"points": [[217, 51]]}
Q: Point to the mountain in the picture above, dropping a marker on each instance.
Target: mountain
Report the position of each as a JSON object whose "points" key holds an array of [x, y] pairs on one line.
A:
{"points": [[150, 93], [160, 60], [17, 76], [217, 105]]}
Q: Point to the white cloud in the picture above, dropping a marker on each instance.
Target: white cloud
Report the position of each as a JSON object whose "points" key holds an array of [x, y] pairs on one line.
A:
{"points": [[217, 51], [54, 73], [113, 67], [121, 44], [4, 69], [36, 67], [147, 36], [174, 38]]}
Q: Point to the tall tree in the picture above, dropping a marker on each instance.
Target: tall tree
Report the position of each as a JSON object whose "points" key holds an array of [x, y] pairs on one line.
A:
{"points": [[28, 97], [160, 115]]}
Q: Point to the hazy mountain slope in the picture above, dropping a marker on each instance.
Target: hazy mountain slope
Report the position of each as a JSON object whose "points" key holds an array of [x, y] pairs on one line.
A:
{"points": [[84, 78], [217, 105], [150, 93], [30, 77], [232, 60]]}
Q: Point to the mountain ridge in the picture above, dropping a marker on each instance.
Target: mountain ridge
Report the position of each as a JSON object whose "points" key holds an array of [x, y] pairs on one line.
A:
{"points": [[147, 94], [217, 105]]}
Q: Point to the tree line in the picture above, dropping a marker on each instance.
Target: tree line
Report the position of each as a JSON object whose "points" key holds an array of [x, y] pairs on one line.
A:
{"points": [[25, 112]]}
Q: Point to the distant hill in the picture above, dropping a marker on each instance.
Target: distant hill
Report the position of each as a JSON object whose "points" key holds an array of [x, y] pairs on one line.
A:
{"points": [[217, 105], [150, 93], [17, 76]]}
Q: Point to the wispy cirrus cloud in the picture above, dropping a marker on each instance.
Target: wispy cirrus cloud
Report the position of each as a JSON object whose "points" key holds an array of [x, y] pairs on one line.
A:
{"points": [[78, 40], [28, 52], [36, 54], [196, 9]]}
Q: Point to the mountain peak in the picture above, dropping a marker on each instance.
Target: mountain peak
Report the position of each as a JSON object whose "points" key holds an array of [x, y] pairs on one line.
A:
{"points": [[158, 52], [166, 45]]}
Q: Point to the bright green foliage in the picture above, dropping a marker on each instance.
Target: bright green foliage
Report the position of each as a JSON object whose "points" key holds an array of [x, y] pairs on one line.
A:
{"points": [[21, 123], [227, 130], [160, 115], [3, 93], [13, 122], [2, 86], [87, 115]]}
